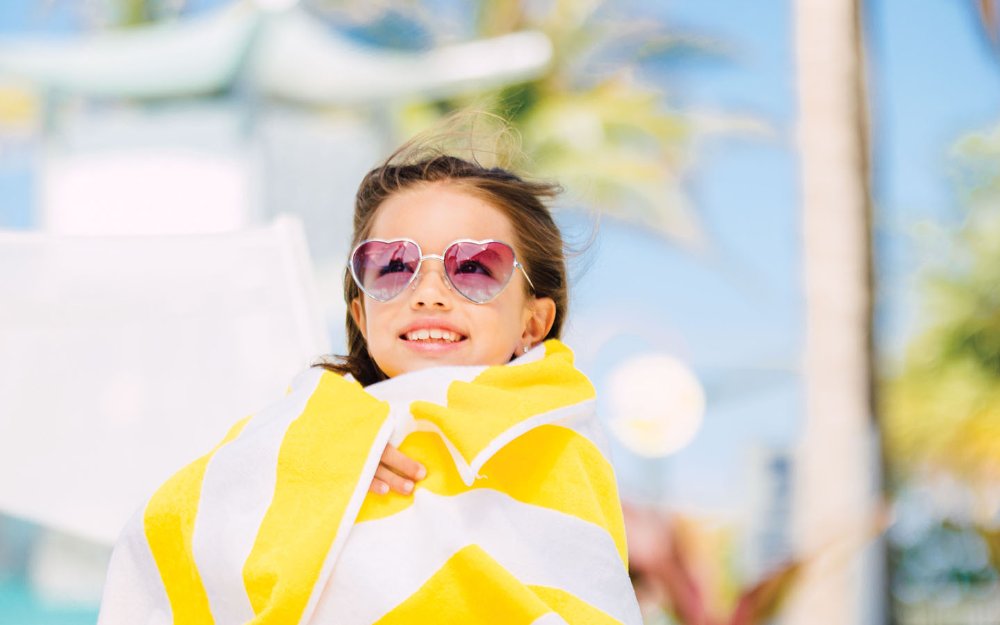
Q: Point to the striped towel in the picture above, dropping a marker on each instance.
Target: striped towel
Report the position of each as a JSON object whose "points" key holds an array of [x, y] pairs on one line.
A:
{"points": [[517, 522]]}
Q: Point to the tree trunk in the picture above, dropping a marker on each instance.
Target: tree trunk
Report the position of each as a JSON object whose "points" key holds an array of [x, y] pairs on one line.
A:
{"points": [[835, 480]]}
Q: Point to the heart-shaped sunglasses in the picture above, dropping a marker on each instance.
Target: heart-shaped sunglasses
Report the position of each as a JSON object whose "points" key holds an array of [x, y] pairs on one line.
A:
{"points": [[478, 270]]}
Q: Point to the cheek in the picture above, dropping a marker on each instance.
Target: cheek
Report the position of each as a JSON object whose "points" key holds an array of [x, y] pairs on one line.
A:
{"points": [[377, 317], [507, 323], [377, 323]]}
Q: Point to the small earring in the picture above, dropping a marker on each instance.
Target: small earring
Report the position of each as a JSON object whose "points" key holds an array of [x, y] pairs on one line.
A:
{"points": [[527, 348]]}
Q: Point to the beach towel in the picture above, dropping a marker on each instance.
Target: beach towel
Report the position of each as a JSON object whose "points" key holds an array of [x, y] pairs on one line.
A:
{"points": [[518, 521]]}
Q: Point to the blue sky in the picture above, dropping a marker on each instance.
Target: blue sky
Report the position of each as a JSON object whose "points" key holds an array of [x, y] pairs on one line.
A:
{"points": [[733, 314], [934, 80]]}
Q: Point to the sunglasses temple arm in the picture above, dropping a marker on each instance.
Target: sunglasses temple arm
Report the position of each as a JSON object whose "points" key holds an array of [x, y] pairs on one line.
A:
{"points": [[523, 271]]}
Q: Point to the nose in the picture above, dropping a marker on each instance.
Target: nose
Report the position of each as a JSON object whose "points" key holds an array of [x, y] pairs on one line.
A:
{"points": [[431, 291]]}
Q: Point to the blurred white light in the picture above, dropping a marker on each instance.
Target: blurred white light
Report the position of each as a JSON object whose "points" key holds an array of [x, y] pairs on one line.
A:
{"points": [[657, 404], [276, 5], [145, 191]]}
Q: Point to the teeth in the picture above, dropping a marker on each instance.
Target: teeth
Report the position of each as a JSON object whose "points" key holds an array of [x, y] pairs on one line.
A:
{"points": [[433, 334]]}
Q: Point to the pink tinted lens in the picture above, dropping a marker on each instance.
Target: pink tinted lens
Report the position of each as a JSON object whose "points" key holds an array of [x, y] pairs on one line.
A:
{"points": [[383, 269], [479, 271]]}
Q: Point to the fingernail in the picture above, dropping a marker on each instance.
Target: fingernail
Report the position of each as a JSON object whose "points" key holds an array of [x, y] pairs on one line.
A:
{"points": [[382, 489], [407, 486], [421, 473]]}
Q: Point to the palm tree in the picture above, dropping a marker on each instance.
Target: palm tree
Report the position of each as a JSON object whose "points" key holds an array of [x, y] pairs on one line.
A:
{"points": [[835, 493]]}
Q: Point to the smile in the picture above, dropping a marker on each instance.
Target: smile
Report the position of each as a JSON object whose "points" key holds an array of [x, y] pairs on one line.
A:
{"points": [[433, 334]]}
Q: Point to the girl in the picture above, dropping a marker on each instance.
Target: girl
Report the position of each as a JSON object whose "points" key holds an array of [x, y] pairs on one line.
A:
{"points": [[503, 508], [467, 200]]}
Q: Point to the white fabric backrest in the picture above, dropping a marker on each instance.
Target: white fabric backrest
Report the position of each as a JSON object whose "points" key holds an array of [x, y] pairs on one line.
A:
{"points": [[123, 358]]}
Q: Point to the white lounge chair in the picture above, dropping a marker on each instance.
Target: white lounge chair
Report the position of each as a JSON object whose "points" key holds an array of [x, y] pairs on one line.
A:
{"points": [[122, 358]]}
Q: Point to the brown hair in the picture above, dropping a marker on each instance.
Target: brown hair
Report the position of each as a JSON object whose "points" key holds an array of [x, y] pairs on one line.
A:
{"points": [[539, 244]]}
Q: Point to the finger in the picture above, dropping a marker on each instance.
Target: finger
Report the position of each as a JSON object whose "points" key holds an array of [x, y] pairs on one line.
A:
{"points": [[401, 464], [378, 487], [397, 483]]}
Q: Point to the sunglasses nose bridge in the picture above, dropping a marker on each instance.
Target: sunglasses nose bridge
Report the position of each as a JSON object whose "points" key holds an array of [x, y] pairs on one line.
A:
{"points": [[421, 269]]}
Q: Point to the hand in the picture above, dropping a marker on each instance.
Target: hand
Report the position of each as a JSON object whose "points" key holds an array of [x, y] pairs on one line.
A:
{"points": [[396, 471]]}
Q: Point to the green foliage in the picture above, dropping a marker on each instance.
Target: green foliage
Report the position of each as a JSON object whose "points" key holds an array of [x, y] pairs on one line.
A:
{"points": [[946, 558], [942, 412], [127, 13]]}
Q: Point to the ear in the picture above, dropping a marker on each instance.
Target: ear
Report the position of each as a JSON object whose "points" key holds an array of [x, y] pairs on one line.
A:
{"points": [[358, 314], [540, 314]]}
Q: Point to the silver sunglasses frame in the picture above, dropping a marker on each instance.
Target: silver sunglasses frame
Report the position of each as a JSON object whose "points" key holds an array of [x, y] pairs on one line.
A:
{"points": [[440, 257]]}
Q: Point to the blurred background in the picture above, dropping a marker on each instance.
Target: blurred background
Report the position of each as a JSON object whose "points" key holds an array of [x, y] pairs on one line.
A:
{"points": [[787, 285]]}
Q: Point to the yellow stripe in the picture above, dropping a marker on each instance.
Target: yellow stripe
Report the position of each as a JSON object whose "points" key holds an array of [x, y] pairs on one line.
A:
{"points": [[550, 466], [319, 465], [571, 608], [500, 397], [168, 522], [469, 588]]}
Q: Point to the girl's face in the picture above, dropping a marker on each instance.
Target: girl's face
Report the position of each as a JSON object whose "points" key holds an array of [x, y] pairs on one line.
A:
{"points": [[434, 215]]}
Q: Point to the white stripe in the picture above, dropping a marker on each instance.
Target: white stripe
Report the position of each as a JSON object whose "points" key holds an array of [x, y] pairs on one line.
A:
{"points": [[430, 385], [582, 409], [574, 417], [386, 560], [423, 385], [347, 520], [549, 619], [133, 590], [235, 495]]}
